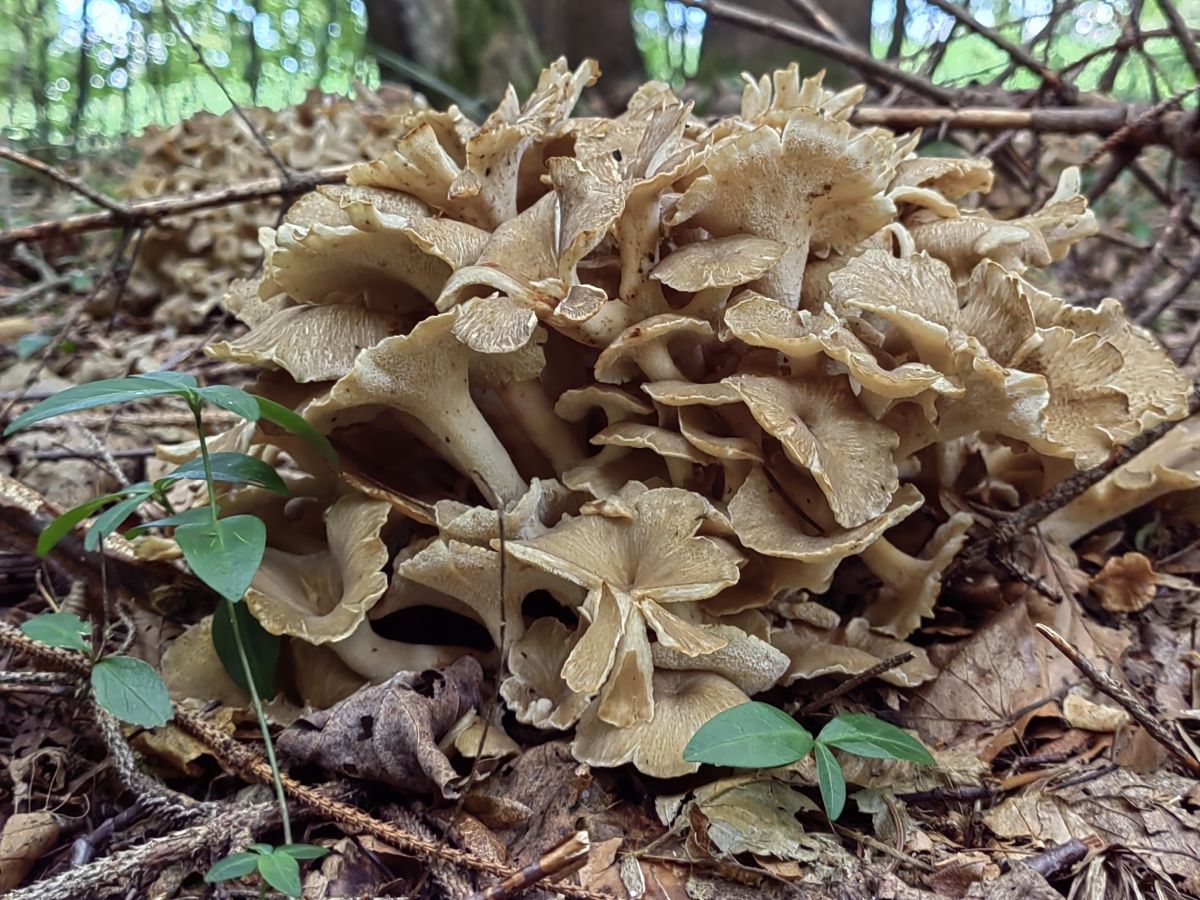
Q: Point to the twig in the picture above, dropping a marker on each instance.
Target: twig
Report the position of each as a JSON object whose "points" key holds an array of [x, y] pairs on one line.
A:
{"points": [[1049, 863], [572, 851], [36, 290], [116, 874], [1167, 295], [56, 455], [849, 54], [1138, 125], [1019, 54], [1121, 694], [850, 684], [68, 181], [147, 212], [1179, 28], [1009, 528], [879, 845], [186, 34], [814, 15], [1144, 119]]}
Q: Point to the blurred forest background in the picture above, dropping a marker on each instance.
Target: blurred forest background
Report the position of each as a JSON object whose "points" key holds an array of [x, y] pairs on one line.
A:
{"points": [[82, 75]]}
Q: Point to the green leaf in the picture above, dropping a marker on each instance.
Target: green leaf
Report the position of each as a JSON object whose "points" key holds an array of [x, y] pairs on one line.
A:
{"points": [[873, 738], [110, 520], [101, 393], [235, 865], [831, 781], [199, 514], [233, 399], [262, 647], [131, 690], [62, 525], [232, 468], [750, 736], [262, 849], [224, 554], [58, 630], [303, 851], [289, 421], [281, 872]]}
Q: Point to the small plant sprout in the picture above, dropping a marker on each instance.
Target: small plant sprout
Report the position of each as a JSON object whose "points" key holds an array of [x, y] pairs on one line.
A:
{"points": [[224, 553], [760, 736]]}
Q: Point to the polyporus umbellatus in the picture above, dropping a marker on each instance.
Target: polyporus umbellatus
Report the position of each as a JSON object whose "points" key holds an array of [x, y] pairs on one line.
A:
{"points": [[702, 366]]}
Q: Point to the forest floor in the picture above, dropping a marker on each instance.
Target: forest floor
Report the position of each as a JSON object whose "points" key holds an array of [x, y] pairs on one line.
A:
{"points": [[1047, 787]]}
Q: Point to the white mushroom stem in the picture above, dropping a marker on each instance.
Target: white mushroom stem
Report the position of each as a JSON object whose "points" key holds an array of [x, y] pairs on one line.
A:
{"points": [[528, 403], [471, 445], [602, 328], [378, 659], [655, 360], [911, 584]]}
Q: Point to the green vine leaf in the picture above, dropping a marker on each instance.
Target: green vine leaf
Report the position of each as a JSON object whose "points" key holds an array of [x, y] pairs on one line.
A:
{"points": [[865, 735], [235, 865], [224, 554], [288, 420], [262, 647], [233, 399], [231, 468], [61, 630], [131, 690], [750, 736], [104, 393], [281, 871], [831, 781]]}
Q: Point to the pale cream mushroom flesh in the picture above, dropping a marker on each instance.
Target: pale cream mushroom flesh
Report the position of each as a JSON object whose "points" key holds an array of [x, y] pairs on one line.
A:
{"points": [[703, 368]]}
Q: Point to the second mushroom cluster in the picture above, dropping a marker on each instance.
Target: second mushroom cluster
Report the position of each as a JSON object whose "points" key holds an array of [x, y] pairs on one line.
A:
{"points": [[725, 379]]}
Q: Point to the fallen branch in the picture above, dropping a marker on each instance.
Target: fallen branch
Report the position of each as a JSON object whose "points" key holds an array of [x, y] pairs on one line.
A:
{"points": [[573, 851], [68, 181], [850, 684], [149, 212], [1017, 53], [1121, 694], [1013, 525]]}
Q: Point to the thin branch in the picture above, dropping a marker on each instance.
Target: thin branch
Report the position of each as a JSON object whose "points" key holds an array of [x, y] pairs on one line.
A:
{"points": [[850, 684], [1009, 528], [571, 852], [148, 212], [1146, 118], [814, 15], [797, 34], [68, 181], [186, 34], [1179, 28], [1121, 694], [1015, 52]]}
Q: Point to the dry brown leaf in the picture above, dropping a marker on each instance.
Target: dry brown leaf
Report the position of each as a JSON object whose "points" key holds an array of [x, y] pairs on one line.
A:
{"points": [[25, 839], [1083, 713], [389, 732]]}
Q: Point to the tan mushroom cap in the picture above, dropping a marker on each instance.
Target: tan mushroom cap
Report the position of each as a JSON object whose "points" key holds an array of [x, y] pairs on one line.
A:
{"points": [[191, 669], [932, 182], [377, 658], [747, 661], [643, 348], [802, 335], [425, 375], [310, 343], [1169, 465], [676, 450], [672, 392], [535, 691], [718, 262], [814, 652], [323, 597], [911, 585], [815, 185], [633, 569], [825, 431], [683, 701]]}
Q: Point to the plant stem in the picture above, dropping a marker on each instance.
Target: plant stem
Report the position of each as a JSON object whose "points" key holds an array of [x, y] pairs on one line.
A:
{"points": [[256, 701], [196, 406]]}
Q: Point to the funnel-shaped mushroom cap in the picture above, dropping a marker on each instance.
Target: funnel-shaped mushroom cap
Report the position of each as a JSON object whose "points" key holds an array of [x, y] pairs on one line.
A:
{"points": [[817, 184], [825, 431], [765, 520], [718, 262], [814, 652], [644, 348], [310, 343], [535, 691], [425, 374], [324, 596], [783, 91], [1170, 464], [749, 662], [683, 701], [911, 584], [632, 569], [932, 182], [802, 335]]}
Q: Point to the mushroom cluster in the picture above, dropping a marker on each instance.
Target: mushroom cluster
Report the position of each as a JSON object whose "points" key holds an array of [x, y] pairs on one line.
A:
{"points": [[187, 262], [703, 368]]}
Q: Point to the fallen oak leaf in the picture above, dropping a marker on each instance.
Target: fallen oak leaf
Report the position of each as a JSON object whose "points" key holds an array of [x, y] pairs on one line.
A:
{"points": [[389, 732]]}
